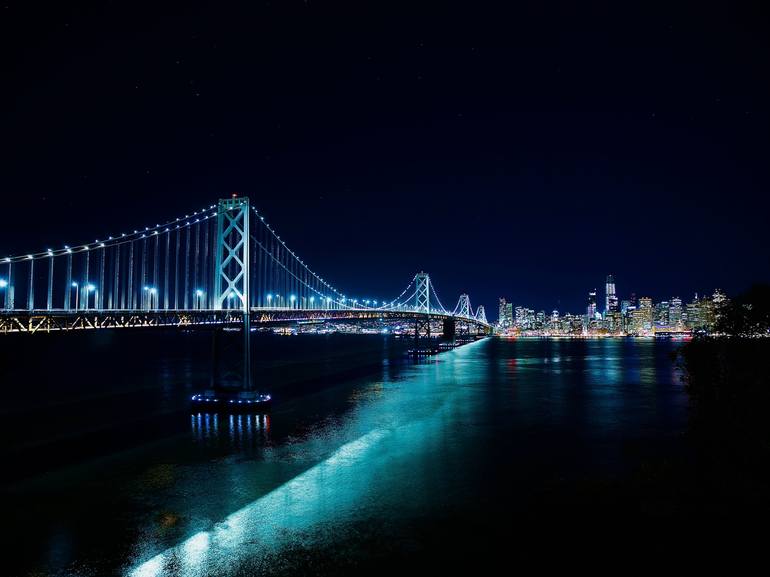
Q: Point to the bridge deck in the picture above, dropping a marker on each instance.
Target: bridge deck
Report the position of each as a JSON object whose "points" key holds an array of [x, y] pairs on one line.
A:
{"points": [[25, 321]]}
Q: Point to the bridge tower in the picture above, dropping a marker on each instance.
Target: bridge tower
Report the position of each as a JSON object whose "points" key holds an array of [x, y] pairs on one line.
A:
{"points": [[423, 292], [481, 314], [231, 275], [464, 306], [422, 304]]}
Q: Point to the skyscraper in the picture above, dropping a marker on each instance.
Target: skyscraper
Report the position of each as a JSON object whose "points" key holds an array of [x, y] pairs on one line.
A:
{"points": [[505, 314], [591, 308], [645, 313], [675, 313], [610, 298]]}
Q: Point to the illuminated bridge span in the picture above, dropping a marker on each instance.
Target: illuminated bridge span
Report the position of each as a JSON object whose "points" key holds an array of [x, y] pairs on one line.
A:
{"points": [[223, 265]]}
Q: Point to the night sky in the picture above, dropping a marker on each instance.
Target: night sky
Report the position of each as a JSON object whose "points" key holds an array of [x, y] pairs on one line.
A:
{"points": [[524, 153]]}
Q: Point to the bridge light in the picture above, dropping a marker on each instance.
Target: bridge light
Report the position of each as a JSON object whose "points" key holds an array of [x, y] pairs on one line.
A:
{"points": [[90, 287], [199, 293], [74, 284], [3, 283], [293, 298]]}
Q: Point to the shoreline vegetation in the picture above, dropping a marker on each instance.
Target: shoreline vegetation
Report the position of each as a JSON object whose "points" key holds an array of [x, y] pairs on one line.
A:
{"points": [[727, 378]]}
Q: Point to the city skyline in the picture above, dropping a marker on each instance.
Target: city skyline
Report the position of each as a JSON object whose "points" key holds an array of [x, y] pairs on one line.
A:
{"points": [[582, 300], [618, 312]]}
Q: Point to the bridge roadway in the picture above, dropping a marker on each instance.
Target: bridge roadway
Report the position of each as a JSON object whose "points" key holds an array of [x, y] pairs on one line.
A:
{"points": [[35, 321]]}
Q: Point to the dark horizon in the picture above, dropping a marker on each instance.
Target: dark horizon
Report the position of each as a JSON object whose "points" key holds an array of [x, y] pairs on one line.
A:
{"points": [[524, 154]]}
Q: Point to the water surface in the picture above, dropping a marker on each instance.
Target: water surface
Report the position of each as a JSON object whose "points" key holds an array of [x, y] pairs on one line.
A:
{"points": [[369, 461]]}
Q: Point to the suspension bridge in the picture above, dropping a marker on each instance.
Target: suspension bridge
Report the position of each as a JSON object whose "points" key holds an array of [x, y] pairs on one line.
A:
{"points": [[220, 266]]}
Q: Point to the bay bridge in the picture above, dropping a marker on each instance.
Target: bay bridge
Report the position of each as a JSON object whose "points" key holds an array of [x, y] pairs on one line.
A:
{"points": [[220, 266]]}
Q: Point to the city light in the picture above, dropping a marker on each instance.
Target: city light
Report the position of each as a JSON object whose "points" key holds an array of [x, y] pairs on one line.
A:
{"points": [[638, 317]]}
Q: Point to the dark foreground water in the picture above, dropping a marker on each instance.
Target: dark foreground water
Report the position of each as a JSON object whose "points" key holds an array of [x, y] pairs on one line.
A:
{"points": [[495, 453]]}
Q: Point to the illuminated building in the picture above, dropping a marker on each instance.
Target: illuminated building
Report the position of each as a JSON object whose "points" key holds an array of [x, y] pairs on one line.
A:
{"points": [[675, 313], [624, 304], [554, 317], [505, 315], [591, 308], [645, 314], [718, 303], [628, 319], [610, 298], [693, 317]]}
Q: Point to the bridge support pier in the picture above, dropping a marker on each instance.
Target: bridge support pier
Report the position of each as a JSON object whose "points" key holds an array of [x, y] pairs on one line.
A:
{"points": [[247, 384], [449, 329], [232, 280], [421, 325]]}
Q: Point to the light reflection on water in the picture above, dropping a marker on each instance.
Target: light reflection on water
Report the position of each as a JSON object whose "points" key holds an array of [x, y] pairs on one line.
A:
{"points": [[473, 432], [304, 501], [234, 431], [411, 445]]}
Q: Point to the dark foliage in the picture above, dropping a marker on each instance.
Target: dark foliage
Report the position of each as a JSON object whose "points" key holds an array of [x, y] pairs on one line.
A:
{"points": [[728, 379], [748, 314]]}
